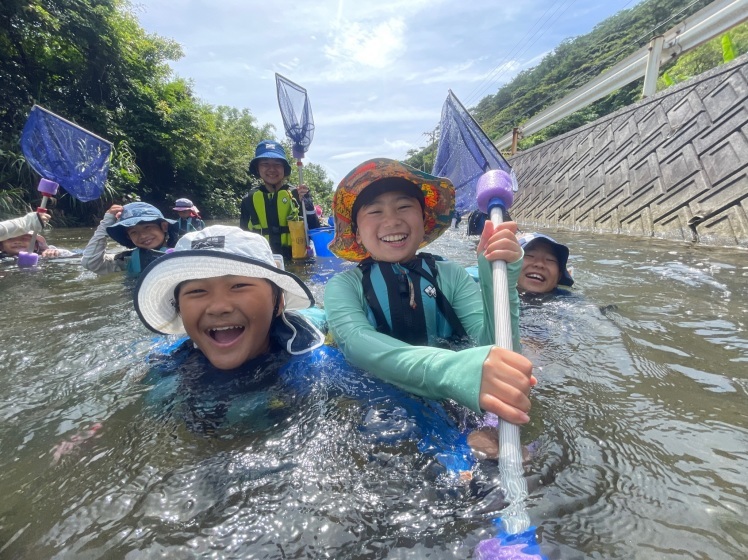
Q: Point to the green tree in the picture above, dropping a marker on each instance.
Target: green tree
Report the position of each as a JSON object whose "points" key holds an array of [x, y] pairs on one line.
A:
{"points": [[319, 185], [709, 55]]}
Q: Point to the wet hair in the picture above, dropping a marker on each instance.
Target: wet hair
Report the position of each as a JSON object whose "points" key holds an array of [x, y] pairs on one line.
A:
{"points": [[381, 186], [172, 235]]}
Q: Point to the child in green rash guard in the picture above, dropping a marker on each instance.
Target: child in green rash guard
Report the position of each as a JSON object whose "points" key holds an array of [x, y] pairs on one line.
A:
{"points": [[138, 226], [386, 312]]}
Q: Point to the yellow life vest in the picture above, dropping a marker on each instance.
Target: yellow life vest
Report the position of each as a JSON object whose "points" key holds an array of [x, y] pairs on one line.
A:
{"points": [[269, 214]]}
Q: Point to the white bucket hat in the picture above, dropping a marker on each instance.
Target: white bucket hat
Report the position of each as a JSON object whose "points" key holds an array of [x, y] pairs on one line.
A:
{"points": [[213, 252]]}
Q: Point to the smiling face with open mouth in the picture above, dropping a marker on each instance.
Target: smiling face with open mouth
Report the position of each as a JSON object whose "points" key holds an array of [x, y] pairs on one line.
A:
{"points": [[540, 269], [228, 317], [272, 172], [391, 227]]}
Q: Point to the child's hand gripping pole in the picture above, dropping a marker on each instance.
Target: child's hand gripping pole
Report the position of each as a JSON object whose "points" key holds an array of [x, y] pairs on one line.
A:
{"points": [[495, 195], [29, 257]]}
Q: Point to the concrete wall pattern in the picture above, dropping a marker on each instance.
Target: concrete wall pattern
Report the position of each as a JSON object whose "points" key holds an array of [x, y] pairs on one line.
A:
{"points": [[674, 165]]}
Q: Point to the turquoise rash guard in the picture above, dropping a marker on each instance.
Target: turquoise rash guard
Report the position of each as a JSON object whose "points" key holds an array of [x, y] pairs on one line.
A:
{"points": [[435, 373]]}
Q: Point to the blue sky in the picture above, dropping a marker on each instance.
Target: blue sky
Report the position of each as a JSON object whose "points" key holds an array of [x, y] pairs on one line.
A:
{"points": [[377, 72]]}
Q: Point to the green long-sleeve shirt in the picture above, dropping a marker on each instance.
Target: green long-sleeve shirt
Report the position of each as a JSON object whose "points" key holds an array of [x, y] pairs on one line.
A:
{"points": [[435, 373]]}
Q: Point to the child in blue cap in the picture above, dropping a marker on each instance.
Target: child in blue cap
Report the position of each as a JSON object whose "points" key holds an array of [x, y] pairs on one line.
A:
{"points": [[267, 209], [139, 226]]}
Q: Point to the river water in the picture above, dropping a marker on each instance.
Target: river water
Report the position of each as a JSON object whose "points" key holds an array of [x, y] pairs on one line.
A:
{"points": [[639, 429]]}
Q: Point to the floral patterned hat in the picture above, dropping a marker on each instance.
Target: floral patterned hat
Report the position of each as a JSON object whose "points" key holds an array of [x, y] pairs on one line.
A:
{"points": [[438, 199]]}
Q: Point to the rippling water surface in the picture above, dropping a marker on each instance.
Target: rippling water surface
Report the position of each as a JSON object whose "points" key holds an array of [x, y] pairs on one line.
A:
{"points": [[639, 430]]}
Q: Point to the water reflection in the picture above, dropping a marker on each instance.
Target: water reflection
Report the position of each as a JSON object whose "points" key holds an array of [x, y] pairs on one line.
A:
{"points": [[639, 431]]}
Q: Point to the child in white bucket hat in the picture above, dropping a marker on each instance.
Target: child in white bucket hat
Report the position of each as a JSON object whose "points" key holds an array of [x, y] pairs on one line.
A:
{"points": [[221, 287]]}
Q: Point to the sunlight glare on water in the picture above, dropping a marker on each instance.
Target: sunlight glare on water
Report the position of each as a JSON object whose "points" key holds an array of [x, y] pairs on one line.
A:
{"points": [[638, 439]]}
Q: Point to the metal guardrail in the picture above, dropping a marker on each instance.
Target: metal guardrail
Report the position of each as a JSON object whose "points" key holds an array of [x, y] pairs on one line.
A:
{"points": [[714, 20]]}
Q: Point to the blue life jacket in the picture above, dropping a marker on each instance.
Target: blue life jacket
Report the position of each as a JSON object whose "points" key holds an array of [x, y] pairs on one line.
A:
{"points": [[271, 387], [405, 301], [140, 258]]}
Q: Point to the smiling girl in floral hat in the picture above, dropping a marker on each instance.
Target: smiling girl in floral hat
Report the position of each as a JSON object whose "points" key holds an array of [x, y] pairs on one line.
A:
{"points": [[388, 312]]}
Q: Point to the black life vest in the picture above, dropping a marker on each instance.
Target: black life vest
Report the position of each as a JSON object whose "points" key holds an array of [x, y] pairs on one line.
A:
{"points": [[399, 308]]}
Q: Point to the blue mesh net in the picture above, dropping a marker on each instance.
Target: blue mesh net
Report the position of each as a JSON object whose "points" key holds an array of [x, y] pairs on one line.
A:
{"points": [[464, 153], [65, 153], [297, 114]]}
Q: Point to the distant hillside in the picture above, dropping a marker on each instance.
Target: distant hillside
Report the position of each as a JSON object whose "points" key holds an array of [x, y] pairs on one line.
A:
{"points": [[578, 60]]}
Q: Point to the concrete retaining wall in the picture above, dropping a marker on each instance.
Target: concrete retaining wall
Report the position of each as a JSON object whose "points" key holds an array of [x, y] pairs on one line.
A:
{"points": [[674, 165]]}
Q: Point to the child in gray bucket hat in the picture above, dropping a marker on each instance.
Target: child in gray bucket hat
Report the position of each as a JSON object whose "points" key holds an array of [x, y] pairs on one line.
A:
{"points": [[139, 226]]}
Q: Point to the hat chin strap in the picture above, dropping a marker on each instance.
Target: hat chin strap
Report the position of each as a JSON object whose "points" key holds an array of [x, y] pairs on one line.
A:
{"points": [[309, 336]]}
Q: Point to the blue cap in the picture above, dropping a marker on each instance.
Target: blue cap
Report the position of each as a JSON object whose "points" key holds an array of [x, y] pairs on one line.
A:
{"points": [[560, 250], [269, 149], [133, 214]]}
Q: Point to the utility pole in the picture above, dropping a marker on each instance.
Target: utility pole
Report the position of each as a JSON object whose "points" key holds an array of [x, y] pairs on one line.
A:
{"points": [[433, 137]]}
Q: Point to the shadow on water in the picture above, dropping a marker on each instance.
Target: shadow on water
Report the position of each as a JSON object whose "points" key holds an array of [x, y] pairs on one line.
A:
{"points": [[639, 434]]}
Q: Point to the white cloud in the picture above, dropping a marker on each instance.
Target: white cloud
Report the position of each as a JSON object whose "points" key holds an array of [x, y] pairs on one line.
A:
{"points": [[375, 47], [387, 115], [377, 72], [350, 155]]}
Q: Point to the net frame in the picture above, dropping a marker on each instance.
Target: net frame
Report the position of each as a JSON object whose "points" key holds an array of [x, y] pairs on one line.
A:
{"points": [[63, 152], [464, 153], [296, 112]]}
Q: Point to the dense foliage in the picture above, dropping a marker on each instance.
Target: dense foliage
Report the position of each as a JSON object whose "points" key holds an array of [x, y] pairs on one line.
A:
{"points": [[92, 63], [578, 60]]}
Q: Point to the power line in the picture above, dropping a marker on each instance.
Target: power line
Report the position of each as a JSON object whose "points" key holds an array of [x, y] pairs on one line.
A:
{"points": [[583, 78], [494, 81], [522, 46]]}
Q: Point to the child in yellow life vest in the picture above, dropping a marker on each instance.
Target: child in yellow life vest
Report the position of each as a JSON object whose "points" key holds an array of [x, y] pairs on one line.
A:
{"points": [[387, 313], [266, 209]]}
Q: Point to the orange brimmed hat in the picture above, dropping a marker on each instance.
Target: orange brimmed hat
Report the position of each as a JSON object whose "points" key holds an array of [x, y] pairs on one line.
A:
{"points": [[438, 203]]}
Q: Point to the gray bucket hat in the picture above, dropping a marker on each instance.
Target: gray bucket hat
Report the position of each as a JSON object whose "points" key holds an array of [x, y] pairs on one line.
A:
{"points": [[133, 214]]}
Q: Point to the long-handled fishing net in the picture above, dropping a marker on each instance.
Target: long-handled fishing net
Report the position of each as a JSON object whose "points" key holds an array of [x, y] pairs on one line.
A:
{"points": [[464, 153], [484, 180], [299, 124], [66, 155]]}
